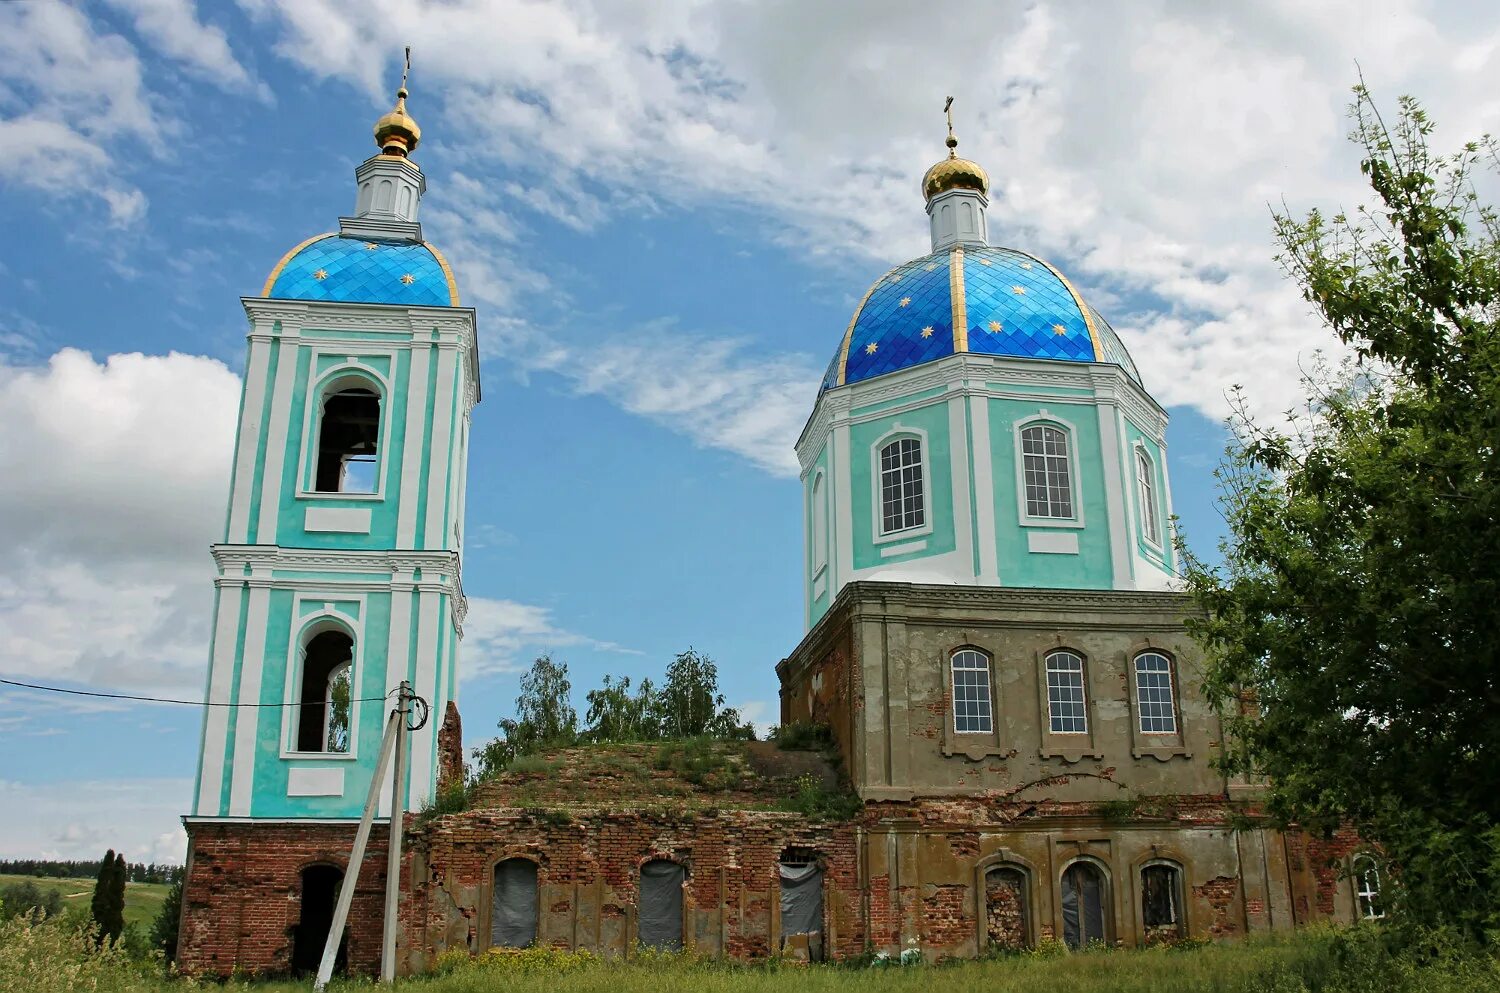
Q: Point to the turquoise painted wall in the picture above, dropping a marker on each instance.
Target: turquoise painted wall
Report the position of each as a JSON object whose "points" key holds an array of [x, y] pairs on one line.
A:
{"points": [[1091, 567], [863, 472], [818, 605]]}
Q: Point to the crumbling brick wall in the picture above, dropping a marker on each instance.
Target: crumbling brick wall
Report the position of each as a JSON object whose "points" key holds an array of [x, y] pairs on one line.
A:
{"points": [[450, 748], [1005, 909]]}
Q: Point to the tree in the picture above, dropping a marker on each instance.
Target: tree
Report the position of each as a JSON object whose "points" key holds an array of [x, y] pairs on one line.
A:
{"points": [[108, 904], [545, 718], [690, 704], [165, 926], [1353, 629], [616, 714]]}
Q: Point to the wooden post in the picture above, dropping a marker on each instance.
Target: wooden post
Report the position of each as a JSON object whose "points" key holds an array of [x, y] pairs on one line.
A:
{"points": [[393, 854]]}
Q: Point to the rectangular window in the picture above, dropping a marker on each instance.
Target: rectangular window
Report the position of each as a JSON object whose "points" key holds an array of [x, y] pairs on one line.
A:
{"points": [[1046, 472], [1153, 693], [1066, 703], [971, 693], [901, 498]]}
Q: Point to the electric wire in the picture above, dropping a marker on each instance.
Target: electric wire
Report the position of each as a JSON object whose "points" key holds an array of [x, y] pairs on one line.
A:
{"points": [[157, 699]]}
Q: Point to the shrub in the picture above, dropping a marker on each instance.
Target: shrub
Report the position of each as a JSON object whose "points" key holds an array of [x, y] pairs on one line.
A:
{"points": [[803, 736], [812, 799]]}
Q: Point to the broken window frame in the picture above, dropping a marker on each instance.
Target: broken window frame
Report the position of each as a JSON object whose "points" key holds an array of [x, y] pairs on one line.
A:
{"points": [[1172, 874], [1367, 888]]}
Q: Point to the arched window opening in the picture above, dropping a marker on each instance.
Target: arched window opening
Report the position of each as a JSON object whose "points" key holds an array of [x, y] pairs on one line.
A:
{"points": [[971, 692], [324, 705], [320, 891], [349, 442], [1083, 904], [1161, 901], [660, 918], [385, 193], [801, 905], [1047, 472], [1367, 888], [901, 496], [1007, 921], [819, 523], [1067, 703], [513, 904], [1145, 481], [1153, 694]]}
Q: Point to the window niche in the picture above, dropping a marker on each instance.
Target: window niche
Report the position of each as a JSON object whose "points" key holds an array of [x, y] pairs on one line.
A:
{"points": [[324, 723], [971, 725], [346, 438], [901, 489], [1155, 710], [1047, 473], [1066, 706], [1162, 918]]}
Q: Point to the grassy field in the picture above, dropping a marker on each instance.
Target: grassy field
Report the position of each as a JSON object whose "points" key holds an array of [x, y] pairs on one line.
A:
{"points": [[142, 900]]}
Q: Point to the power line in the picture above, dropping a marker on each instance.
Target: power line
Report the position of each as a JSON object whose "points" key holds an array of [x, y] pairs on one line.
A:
{"points": [[157, 699]]}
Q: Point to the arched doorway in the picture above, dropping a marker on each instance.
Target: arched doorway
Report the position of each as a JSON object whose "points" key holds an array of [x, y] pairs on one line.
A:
{"points": [[320, 891], [1007, 921], [1083, 904]]}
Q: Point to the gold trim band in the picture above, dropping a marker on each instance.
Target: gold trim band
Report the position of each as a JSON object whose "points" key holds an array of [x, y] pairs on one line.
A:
{"points": [[447, 272], [1083, 308], [849, 331], [271, 279], [959, 302]]}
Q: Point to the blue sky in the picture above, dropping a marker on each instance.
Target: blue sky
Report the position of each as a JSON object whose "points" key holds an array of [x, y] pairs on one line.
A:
{"points": [[664, 213]]}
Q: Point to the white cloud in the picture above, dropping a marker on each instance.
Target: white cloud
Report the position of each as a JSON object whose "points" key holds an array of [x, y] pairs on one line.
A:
{"points": [[498, 632], [1138, 145], [173, 27], [79, 819]]}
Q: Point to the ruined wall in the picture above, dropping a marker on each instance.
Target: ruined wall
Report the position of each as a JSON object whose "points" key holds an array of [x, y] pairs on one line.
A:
{"points": [[822, 687], [242, 895], [588, 877]]}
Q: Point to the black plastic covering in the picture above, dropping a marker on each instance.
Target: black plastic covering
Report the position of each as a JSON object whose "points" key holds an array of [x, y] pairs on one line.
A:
{"points": [[513, 909], [801, 899], [1082, 905], [660, 921]]}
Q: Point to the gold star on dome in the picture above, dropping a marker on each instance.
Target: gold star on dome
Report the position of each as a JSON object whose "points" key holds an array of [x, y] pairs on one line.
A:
{"points": [[370, 246], [870, 348], [408, 278], [1018, 290], [906, 301], [895, 277], [995, 325], [1059, 329], [1025, 265], [931, 266], [984, 262], [927, 331], [321, 274]]}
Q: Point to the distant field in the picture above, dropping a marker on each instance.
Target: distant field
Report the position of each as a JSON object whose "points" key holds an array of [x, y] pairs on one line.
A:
{"points": [[142, 900]]}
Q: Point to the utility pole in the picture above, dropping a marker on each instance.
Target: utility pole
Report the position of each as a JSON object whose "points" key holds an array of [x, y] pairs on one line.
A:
{"points": [[393, 855]]}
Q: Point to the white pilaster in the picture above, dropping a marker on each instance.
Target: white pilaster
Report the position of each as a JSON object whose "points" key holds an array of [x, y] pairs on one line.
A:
{"points": [[440, 450], [958, 451], [230, 597], [841, 563], [276, 435], [1121, 547], [984, 489], [253, 408], [242, 783], [411, 455], [429, 618]]}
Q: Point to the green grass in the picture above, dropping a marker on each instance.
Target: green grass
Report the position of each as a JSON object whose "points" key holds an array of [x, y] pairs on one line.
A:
{"points": [[142, 900]]}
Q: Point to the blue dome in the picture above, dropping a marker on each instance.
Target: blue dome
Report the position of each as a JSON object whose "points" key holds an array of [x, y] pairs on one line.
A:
{"points": [[1007, 303], [353, 270]]}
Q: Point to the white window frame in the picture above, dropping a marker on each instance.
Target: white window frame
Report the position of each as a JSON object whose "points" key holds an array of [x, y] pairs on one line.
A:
{"points": [[819, 496], [877, 507], [1047, 419], [311, 616], [1083, 685], [1148, 511], [1140, 703], [1364, 867], [354, 367], [988, 700]]}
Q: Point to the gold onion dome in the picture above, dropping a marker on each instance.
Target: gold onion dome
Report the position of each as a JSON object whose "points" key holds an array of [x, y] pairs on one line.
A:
{"points": [[397, 133], [954, 173]]}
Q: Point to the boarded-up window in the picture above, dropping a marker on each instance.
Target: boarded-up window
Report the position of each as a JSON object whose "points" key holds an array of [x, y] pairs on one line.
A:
{"points": [[660, 920], [1082, 904], [1005, 907], [1160, 884], [802, 904], [513, 908]]}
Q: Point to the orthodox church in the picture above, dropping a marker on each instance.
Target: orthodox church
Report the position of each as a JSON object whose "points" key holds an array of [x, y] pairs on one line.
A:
{"points": [[992, 640]]}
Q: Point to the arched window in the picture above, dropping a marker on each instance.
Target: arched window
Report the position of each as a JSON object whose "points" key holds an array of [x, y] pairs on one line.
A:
{"points": [[1153, 694], [1145, 481], [1367, 888], [819, 523], [349, 439], [1161, 899], [901, 488], [660, 918], [513, 904], [1067, 703], [971, 692], [1007, 923], [1083, 904], [1047, 472], [323, 713]]}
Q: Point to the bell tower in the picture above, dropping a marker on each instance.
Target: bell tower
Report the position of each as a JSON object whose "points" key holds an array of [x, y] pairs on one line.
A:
{"points": [[339, 570]]}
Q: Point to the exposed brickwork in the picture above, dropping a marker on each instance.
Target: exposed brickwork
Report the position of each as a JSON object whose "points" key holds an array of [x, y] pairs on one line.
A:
{"points": [[450, 748], [1005, 918]]}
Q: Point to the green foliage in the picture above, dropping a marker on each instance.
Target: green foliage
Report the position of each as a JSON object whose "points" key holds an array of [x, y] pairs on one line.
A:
{"points": [[164, 928], [108, 905], [617, 715], [452, 798], [534, 765], [26, 896], [702, 762], [1351, 631], [811, 799], [545, 718], [690, 704], [803, 736]]}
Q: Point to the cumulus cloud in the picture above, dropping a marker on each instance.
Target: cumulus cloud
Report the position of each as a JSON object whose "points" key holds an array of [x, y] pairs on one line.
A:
{"points": [[1139, 147], [497, 633], [173, 27], [84, 817]]}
